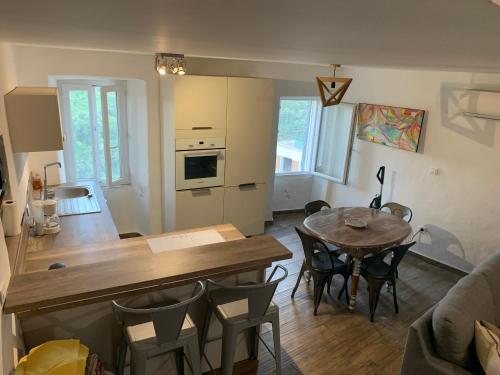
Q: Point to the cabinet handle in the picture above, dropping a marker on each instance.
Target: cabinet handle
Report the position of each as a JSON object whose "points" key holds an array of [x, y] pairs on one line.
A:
{"points": [[200, 190], [201, 128], [249, 184]]}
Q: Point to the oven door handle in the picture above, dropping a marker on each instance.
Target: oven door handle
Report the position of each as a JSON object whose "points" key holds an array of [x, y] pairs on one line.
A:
{"points": [[200, 154]]}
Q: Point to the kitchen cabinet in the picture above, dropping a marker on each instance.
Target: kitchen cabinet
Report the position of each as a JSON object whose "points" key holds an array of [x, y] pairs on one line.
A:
{"points": [[249, 126], [34, 119], [200, 102], [244, 207], [199, 207]]}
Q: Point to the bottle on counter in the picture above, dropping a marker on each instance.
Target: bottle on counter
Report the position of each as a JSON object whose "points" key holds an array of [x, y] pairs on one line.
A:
{"points": [[36, 182]]}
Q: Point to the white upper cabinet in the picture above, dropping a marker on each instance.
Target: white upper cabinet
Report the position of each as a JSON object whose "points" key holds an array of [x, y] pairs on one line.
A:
{"points": [[249, 126], [34, 119], [200, 102]]}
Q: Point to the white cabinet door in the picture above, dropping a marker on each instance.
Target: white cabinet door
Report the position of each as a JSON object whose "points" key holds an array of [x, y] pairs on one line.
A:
{"points": [[249, 125], [244, 207], [200, 102], [199, 208]]}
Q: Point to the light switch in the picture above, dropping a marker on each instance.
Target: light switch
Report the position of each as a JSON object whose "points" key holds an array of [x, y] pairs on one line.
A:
{"points": [[434, 171]]}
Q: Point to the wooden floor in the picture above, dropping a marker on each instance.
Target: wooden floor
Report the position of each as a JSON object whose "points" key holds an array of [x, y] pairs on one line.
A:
{"points": [[336, 341]]}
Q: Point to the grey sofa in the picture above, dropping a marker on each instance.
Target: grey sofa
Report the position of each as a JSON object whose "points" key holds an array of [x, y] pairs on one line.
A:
{"points": [[442, 340]]}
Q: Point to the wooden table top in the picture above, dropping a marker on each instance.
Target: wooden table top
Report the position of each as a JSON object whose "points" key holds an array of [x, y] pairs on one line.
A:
{"points": [[136, 270], [383, 229]]}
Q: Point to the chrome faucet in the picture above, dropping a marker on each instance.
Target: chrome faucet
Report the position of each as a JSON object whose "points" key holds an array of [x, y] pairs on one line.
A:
{"points": [[45, 187]]}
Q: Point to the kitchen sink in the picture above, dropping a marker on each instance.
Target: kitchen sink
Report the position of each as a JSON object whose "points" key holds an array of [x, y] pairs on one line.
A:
{"points": [[74, 200], [69, 192]]}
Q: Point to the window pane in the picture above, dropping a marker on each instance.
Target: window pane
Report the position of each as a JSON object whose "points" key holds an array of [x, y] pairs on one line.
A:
{"points": [[114, 135], [101, 156], [334, 141], [81, 132], [293, 129]]}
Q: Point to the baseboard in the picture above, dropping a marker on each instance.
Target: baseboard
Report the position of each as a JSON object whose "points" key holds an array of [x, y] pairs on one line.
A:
{"points": [[438, 264]]}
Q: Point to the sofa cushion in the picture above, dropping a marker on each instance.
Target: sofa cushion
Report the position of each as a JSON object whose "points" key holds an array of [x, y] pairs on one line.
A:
{"points": [[490, 269], [454, 317], [487, 339]]}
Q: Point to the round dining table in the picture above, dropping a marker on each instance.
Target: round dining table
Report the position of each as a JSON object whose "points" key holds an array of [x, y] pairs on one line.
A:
{"points": [[382, 230]]}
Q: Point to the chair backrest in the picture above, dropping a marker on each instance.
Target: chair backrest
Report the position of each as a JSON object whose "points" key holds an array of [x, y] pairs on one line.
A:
{"points": [[398, 252], [399, 210], [310, 245], [259, 296], [167, 317], [315, 206]]}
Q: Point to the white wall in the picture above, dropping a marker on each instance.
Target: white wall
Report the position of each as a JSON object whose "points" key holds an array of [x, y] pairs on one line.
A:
{"points": [[146, 184], [463, 198], [18, 179]]}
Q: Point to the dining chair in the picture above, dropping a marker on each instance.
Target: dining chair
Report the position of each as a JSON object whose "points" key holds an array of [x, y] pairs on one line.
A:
{"points": [[322, 265], [240, 308], [315, 206], [376, 272], [402, 212], [154, 330], [399, 210]]}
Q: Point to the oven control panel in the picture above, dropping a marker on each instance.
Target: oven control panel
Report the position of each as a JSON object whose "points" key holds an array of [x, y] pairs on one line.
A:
{"points": [[199, 144]]}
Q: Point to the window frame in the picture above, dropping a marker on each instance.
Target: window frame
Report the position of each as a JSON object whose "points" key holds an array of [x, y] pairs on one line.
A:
{"points": [[64, 87], [350, 146], [312, 141], [310, 138]]}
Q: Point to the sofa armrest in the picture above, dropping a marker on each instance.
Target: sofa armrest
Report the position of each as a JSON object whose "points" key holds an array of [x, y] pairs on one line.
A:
{"points": [[420, 357]]}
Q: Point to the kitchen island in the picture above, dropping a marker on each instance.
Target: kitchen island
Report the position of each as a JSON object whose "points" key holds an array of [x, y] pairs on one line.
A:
{"points": [[75, 301]]}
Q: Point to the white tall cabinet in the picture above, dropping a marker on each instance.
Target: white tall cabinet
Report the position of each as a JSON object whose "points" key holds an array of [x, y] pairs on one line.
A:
{"points": [[239, 109], [248, 136]]}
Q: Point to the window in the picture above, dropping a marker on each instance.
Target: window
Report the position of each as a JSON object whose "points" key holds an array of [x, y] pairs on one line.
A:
{"points": [[334, 142], [313, 139], [96, 134], [297, 117]]}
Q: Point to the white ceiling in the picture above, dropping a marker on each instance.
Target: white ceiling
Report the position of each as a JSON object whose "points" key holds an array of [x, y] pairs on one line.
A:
{"points": [[456, 34]]}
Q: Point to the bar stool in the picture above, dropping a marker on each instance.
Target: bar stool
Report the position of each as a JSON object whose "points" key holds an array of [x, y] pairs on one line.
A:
{"points": [[244, 307], [154, 330]]}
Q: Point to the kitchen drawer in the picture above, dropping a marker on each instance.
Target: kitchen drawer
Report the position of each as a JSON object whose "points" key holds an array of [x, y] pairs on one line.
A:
{"points": [[244, 207], [199, 207]]}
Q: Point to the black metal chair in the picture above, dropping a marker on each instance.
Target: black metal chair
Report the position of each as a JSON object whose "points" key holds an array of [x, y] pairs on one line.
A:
{"points": [[322, 265], [315, 206], [376, 272], [399, 210]]}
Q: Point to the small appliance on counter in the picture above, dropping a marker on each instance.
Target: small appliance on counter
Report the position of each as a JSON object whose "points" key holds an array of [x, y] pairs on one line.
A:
{"points": [[45, 216], [52, 222]]}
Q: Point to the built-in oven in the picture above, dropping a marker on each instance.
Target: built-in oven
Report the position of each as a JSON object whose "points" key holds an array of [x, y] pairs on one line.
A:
{"points": [[199, 163]]}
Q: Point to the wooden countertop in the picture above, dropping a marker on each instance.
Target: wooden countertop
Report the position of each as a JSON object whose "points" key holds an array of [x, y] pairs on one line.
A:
{"points": [[76, 230], [105, 271]]}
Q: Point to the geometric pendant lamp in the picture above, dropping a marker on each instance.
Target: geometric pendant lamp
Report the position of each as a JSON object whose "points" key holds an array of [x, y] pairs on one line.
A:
{"points": [[332, 89]]}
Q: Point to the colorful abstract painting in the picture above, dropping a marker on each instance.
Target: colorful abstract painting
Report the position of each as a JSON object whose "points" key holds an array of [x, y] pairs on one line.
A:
{"points": [[390, 126]]}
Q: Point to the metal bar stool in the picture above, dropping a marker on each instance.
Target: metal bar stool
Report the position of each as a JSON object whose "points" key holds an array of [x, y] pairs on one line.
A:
{"points": [[154, 330], [244, 307]]}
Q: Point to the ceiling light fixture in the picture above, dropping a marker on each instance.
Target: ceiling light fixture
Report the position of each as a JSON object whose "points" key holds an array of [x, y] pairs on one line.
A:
{"points": [[329, 92], [171, 63]]}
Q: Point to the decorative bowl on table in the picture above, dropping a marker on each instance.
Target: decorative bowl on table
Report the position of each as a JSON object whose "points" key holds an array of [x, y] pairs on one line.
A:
{"points": [[354, 222]]}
